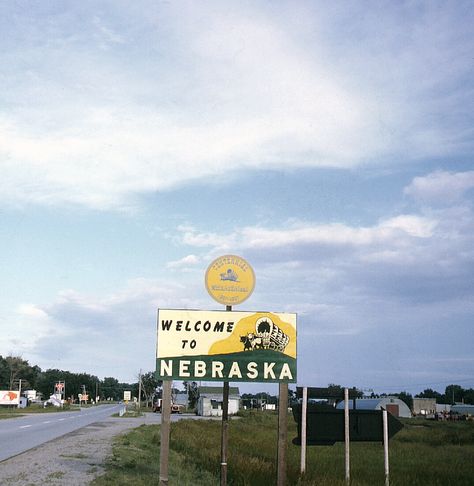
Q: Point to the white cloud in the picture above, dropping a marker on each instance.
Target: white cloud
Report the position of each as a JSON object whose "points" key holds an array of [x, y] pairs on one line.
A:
{"points": [[426, 255], [185, 262], [221, 90], [106, 33], [412, 225], [24, 327], [116, 333], [390, 231], [441, 187]]}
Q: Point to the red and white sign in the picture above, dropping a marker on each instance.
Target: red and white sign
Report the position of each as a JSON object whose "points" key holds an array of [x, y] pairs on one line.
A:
{"points": [[8, 397]]}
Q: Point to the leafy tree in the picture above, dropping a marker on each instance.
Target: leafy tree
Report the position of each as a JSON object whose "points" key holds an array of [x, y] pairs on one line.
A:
{"points": [[406, 397], [430, 393], [13, 369], [469, 396], [338, 390], [75, 383], [193, 393], [110, 388], [453, 394], [149, 386]]}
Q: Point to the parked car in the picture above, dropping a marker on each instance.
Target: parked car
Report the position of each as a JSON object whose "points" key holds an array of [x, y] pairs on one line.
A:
{"points": [[175, 408]]}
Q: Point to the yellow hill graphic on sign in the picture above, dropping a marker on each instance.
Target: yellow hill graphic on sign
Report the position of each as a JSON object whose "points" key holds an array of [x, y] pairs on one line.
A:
{"points": [[259, 331]]}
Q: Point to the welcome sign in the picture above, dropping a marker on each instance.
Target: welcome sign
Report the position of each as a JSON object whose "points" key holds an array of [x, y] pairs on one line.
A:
{"points": [[226, 346]]}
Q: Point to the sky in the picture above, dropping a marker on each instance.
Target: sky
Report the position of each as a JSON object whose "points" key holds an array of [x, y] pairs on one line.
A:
{"points": [[330, 144]]}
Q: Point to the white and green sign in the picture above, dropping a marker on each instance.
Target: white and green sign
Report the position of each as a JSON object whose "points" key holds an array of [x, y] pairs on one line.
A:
{"points": [[226, 346]]}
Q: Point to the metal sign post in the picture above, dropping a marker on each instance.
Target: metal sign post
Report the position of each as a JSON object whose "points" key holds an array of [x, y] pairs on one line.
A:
{"points": [[225, 426]]}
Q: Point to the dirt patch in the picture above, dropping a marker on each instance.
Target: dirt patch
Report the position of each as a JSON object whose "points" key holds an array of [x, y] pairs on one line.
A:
{"points": [[75, 458]]}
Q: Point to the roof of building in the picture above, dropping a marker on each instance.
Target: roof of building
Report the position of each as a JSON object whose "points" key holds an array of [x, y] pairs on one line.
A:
{"points": [[218, 391], [377, 404], [463, 409]]}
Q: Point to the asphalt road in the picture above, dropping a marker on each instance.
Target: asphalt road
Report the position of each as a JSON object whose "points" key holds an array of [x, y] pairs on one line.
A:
{"points": [[20, 434]]}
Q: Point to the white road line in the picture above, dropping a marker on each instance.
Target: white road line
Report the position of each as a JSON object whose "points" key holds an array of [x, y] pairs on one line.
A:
{"points": [[47, 422], [24, 426]]}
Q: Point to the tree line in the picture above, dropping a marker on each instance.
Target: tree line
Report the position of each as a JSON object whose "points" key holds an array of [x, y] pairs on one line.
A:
{"points": [[15, 370]]}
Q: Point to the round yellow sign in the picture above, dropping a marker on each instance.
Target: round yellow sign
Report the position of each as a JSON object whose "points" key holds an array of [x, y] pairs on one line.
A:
{"points": [[230, 279]]}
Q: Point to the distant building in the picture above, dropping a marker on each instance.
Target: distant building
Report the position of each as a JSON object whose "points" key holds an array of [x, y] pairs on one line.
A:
{"points": [[463, 409], [397, 407], [443, 408], [424, 406], [31, 394], [181, 398], [211, 398]]}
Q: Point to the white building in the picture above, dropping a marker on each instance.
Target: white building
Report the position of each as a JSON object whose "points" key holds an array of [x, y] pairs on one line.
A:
{"points": [[424, 406], [210, 401]]}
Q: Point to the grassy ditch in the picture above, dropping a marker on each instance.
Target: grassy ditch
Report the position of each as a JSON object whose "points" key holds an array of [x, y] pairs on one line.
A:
{"points": [[423, 453]]}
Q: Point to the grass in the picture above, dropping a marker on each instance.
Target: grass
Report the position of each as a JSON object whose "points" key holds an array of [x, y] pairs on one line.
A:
{"points": [[136, 458], [129, 414], [423, 453], [55, 475], [74, 456], [6, 413]]}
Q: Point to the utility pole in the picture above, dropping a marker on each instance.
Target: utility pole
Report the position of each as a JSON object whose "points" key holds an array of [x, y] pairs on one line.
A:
{"points": [[19, 393], [140, 389]]}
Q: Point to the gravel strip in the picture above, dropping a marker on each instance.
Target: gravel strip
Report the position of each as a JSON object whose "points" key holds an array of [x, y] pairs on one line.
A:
{"points": [[75, 458]]}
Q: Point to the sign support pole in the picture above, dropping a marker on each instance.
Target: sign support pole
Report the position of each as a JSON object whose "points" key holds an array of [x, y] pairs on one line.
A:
{"points": [[282, 433], [346, 435], [304, 412], [385, 447], [225, 426], [165, 431], [140, 389]]}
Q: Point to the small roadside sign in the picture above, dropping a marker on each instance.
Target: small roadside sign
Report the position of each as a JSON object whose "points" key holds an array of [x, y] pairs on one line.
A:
{"points": [[127, 395]]}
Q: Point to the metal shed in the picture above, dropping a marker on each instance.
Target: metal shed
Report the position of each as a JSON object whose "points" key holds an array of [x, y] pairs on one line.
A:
{"points": [[397, 407], [210, 401], [462, 409]]}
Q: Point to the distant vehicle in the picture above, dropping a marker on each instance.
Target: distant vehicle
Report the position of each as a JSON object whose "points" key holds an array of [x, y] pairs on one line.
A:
{"points": [[54, 401], [175, 408]]}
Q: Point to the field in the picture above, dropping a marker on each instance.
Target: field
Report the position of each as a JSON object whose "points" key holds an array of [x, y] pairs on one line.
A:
{"points": [[423, 453]]}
